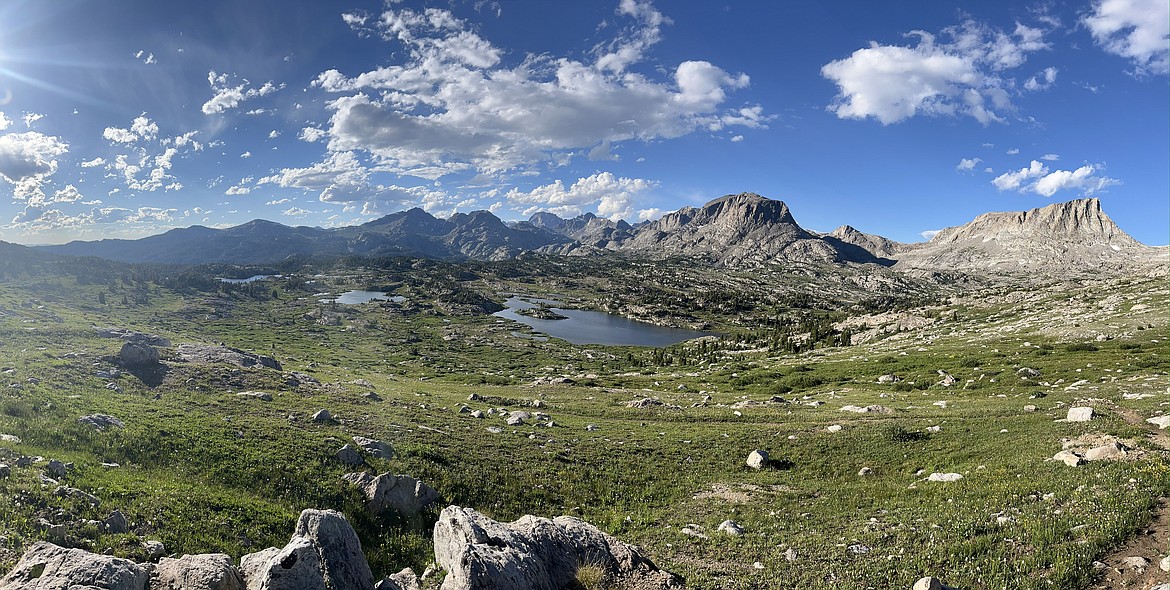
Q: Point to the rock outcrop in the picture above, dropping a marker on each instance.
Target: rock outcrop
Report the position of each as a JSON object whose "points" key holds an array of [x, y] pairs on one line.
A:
{"points": [[323, 554], [535, 553], [211, 571], [46, 566], [403, 494], [206, 354]]}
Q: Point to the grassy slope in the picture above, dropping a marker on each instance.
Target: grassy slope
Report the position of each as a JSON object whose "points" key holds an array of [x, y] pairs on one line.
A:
{"points": [[203, 470]]}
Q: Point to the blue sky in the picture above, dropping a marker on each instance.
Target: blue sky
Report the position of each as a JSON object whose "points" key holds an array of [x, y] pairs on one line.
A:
{"points": [[123, 119]]}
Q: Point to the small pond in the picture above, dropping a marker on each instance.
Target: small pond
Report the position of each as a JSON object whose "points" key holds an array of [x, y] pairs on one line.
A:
{"points": [[596, 327], [356, 297], [251, 279]]}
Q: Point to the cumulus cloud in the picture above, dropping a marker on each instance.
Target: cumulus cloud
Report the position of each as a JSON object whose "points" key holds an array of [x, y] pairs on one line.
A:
{"points": [[5, 122], [142, 128], [612, 196], [295, 212], [1050, 157], [30, 118], [229, 95], [1038, 178], [958, 77], [454, 105], [930, 233], [968, 164], [1134, 29], [29, 155]]}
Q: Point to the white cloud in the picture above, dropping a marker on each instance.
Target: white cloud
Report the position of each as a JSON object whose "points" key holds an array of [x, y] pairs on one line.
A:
{"points": [[1133, 29], [1038, 178], [311, 134], [736, 138], [968, 164], [613, 197], [273, 134], [29, 155], [30, 118], [1042, 81], [1050, 157], [452, 105], [237, 190], [930, 233], [99, 161], [229, 95], [891, 83], [1013, 151], [141, 128], [246, 155], [278, 202], [147, 58], [295, 212], [5, 122]]}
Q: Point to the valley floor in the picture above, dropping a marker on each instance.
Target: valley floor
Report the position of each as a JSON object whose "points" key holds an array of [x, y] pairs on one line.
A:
{"points": [[926, 448]]}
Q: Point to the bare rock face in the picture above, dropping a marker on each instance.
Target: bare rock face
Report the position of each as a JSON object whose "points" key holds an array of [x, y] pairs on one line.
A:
{"points": [[207, 354], [1063, 237], [401, 493], [535, 553], [210, 571], [323, 554], [46, 566]]}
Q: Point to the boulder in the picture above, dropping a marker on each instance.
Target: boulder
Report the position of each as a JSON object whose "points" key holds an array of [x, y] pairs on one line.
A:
{"points": [[757, 459], [946, 477], [5, 470], [1028, 372], [56, 469], [1162, 422], [403, 494], [1079, 414], [1107, 452], [136, 354], [375, 448], [403, 580], [210, 571], [865, 472], [928, 583], [263, 396], [322, 416], [350, 456], [117, 523], [1068, 458], [101, 421], [888, 378], [323, 554], [45, 566], [731, 527], [535, 553]]}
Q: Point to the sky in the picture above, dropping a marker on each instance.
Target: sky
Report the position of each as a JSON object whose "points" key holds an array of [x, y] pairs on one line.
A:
{"points": [[125, 119]]}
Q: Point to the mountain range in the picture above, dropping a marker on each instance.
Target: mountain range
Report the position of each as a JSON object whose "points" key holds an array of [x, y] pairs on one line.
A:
{"points": [[732, 230]]}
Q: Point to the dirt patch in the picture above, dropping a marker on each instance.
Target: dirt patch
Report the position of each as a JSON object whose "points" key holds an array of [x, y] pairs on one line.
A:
{"points": [[1158, 437], [740, 493], [1120, 569]]}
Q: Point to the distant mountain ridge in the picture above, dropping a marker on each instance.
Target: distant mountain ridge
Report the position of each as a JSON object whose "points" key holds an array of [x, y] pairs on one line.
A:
{"points": [[734, 229]]}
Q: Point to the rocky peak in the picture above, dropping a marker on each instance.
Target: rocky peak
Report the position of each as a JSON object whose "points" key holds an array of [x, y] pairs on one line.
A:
{"points": [[546, 220], [1081, 220]]}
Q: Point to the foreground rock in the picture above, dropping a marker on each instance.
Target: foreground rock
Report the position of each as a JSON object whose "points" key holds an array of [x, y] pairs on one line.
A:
{"points": [[212, 571], [46, 566], [324, 553], [757, 459], [134, 354], [1083, 414], [535, 553], [403, 494]]}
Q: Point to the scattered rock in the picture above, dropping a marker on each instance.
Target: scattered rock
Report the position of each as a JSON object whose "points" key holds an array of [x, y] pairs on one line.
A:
{"points": [[349, 455], [375, 448], [5, 470], [1081, 414], [134, 354], [889, 378], [1162, 422], [263, 396], [1028, 372], [928, 584], [731, 527], [84, 496], [790, 554], [154, 549], [874, 409], [101, 421], [944, 477], [865, 472], [1136, 562], [517, 418], [324, 553], [947, 379], [209, 571], [833, 428], [403, 580], [591, 427], [1164, 565], [132, 336], [757, 459], [206, 354], [46, 566], [10, 438], [117, 523], [1029, 408], [56, 469], [1068, 458], [403, 494], [1106, 452], [535, 553], [646, 402], [322, 416]]}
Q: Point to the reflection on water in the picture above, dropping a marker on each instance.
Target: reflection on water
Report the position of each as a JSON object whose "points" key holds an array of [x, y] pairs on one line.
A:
{"points": [[356, 297], [595, 327]]}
